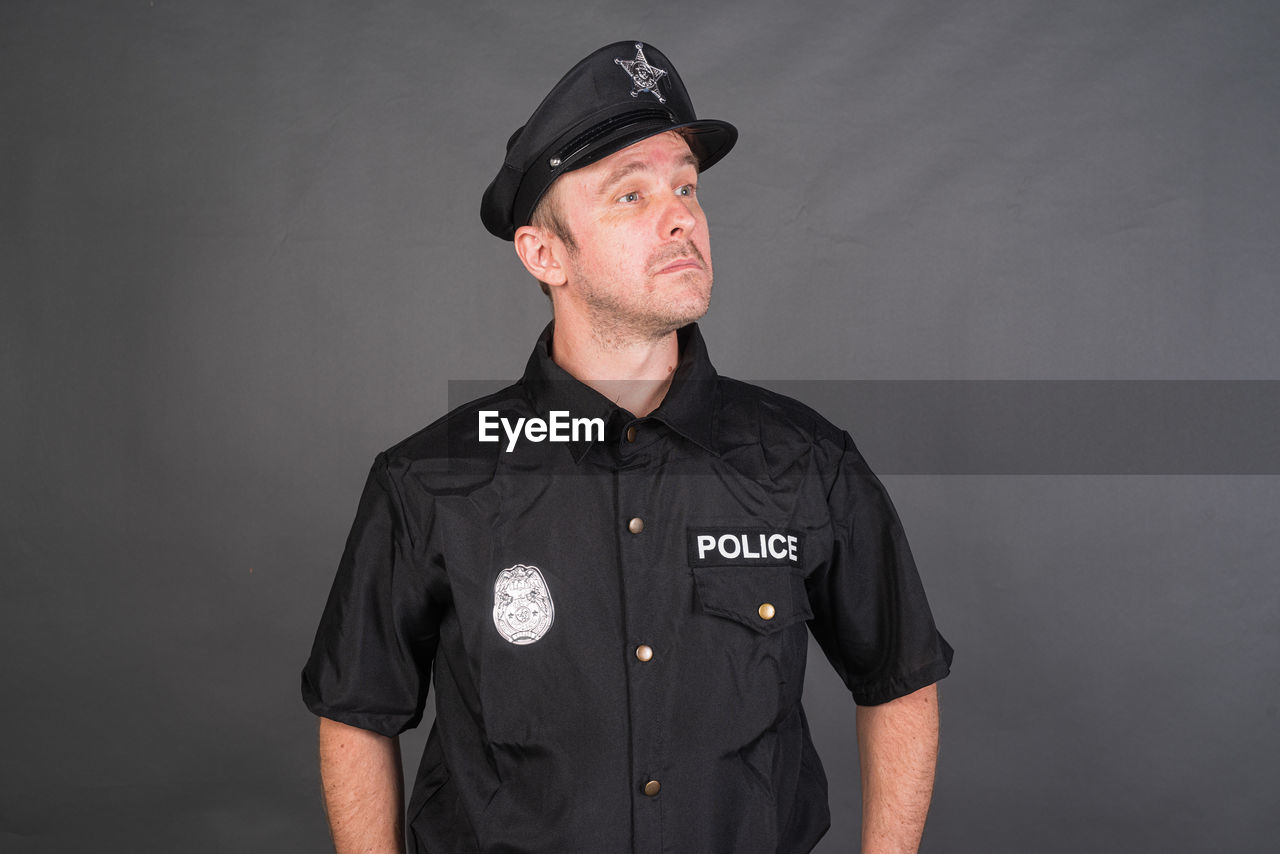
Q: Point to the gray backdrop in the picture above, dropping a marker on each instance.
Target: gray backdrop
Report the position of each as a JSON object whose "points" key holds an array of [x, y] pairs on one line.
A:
{"points": [[240, 253]]}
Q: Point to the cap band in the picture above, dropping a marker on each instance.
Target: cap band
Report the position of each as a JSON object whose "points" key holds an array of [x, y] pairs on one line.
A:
{"points": [[580, 142]]}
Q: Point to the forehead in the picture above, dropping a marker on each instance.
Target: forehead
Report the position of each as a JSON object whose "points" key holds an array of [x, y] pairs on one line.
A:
{"points": [[664, 150]]}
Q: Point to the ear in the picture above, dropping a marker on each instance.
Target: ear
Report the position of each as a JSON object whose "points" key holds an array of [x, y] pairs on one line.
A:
{"points": [[539, 251]]}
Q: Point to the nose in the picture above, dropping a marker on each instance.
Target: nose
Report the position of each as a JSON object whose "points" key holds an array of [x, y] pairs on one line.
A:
{"points": [[678, 218]]}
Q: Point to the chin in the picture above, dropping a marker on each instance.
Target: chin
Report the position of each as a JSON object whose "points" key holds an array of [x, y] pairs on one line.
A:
{"points": [[690, 313], [673, 317]]}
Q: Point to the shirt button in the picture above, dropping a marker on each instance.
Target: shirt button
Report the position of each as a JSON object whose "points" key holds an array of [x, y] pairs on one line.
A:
{"points": [[644, 652], [631, 433], [636, 525], [652, 788], [766, 611]]}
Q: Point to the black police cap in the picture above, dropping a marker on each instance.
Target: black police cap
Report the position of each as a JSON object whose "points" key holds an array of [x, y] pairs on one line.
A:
{"points": [[617, 96]]}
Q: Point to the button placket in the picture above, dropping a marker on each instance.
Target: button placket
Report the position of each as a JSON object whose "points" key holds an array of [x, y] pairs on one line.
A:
{"points": [[643, 625]]}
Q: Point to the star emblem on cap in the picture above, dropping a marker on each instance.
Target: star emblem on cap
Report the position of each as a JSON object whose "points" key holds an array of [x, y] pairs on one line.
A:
{"points": [[644, 77]]}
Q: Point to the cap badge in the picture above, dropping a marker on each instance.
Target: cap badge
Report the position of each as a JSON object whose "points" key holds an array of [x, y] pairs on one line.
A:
{"points": [[644, 77], [522, 606]]}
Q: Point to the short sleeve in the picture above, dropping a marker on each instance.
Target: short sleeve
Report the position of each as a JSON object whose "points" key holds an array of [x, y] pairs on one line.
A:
{"points": [[371, 661], [871, 617]]}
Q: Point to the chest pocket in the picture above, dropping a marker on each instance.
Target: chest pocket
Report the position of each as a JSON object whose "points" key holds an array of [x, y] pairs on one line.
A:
{"points": [[767, 599]]}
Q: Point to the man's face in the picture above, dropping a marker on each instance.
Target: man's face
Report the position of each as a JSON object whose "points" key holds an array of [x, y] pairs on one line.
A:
{"points": [[642, 266]]}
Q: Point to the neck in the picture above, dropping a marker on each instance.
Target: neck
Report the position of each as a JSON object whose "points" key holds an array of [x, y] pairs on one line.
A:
{"points": [[634, 373]]}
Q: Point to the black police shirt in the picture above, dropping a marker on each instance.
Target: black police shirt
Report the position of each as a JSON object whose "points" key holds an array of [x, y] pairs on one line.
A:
{"points": [[617, 626]]}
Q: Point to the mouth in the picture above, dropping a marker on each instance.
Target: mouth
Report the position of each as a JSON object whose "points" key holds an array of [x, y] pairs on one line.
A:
{"points": [[680, 265]]}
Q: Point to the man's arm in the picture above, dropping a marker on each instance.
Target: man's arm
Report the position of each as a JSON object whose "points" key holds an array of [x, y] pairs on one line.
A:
{"points": [[363, 789], [898, 749]]}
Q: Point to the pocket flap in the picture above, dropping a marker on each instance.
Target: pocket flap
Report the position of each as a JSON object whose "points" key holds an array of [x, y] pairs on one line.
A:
{"points": [[764, 598]]}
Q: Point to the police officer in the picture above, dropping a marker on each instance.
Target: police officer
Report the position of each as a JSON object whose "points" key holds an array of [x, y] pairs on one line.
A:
{"points": [[615, 618]]}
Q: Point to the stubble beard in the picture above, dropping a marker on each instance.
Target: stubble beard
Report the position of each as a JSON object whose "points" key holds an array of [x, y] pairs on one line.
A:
{"points": [[617, 323]]}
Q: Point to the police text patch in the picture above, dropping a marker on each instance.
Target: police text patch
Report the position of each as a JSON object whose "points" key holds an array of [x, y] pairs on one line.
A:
{"points": [[745, 547]]}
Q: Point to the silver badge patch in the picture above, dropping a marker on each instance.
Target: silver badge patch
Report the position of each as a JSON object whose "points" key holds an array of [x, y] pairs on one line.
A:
{"points": [[522, 606], [644, 77]]}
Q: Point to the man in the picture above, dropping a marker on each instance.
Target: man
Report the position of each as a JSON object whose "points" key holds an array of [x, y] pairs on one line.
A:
{"points": [[609, 567]]}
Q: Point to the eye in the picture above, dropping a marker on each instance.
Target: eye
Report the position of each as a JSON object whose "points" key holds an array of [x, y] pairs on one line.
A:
{"points": [[687, 190], [629, 198]]}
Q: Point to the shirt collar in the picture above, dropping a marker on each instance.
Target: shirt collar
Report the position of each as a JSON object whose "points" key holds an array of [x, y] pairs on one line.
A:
{"points": [[689, 407]]}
